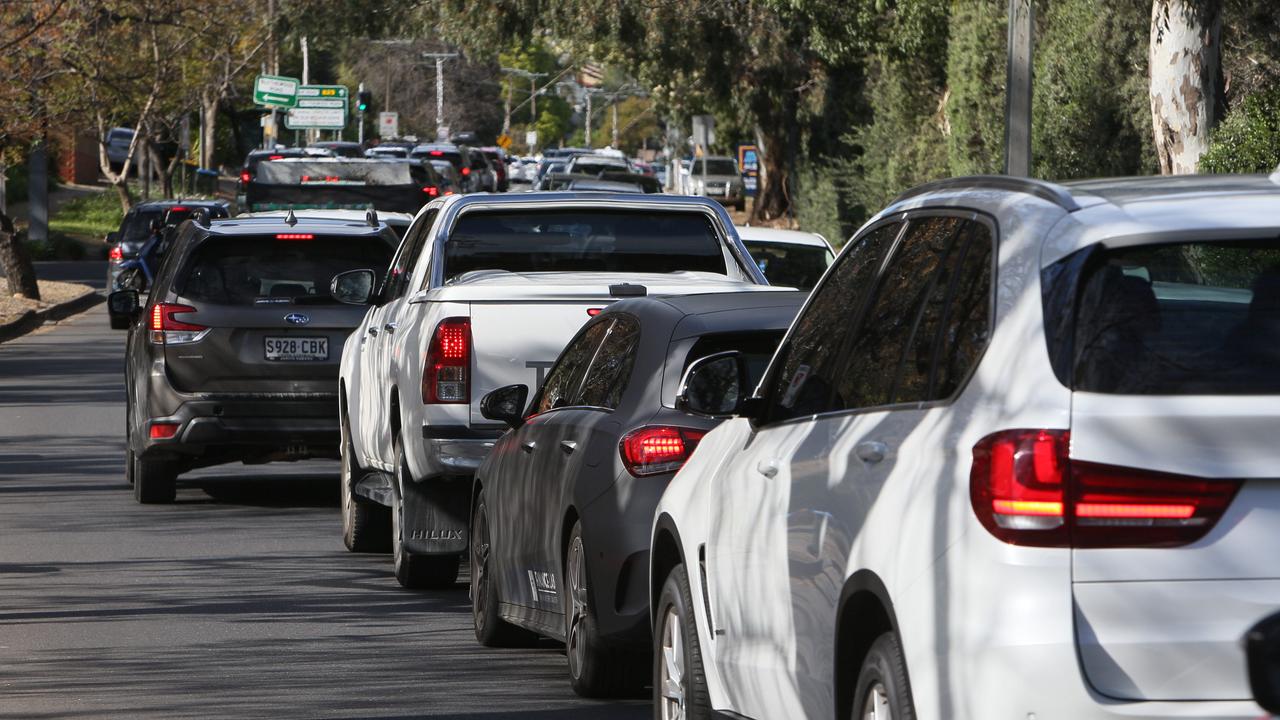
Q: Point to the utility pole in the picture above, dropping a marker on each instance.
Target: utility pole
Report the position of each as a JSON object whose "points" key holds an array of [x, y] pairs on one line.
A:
{"points": [[360, 116], [440, 58], [588, 128], [306, 77], [1017, 103], [273, 62], [614, 105]]}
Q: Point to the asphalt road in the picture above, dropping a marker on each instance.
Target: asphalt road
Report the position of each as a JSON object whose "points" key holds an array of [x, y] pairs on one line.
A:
{"points": [[237, 601]]}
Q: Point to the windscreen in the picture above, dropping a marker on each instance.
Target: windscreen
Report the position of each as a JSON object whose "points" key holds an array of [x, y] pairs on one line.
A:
{"points": [[335, 173], [256, 270], [1181, 319], [453, 157], [717, 167], [797, 266], [653, 241], [595, 168]]}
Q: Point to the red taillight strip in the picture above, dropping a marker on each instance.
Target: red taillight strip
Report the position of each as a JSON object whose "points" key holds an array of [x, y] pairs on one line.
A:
{"points": [[1132, 511], [446, 370], [1027, 507]]}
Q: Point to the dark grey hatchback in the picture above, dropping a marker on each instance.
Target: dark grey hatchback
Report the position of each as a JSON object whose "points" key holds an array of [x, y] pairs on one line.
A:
{"points": [[235, 355]]}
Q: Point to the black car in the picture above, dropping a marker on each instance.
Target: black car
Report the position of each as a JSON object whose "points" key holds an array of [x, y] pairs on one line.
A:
{"points": [[340, 148], [564, 503], [136, 228], [235, 357], [256, 157]]}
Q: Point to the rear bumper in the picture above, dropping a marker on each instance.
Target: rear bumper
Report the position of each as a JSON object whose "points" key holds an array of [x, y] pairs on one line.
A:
{"points": [[455, 450], [251, 427]]}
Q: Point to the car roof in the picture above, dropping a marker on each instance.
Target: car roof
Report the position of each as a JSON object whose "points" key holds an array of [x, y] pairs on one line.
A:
{"points": [[597, 199], [344, 214], [171, 202], [304, 224], [695, 315], [594, 185], [774, 235]]}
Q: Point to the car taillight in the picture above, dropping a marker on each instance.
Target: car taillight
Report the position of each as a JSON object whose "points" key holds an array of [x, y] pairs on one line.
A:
{"points": [[1025, 490], [244, 176], [594, 311], [658, 449], [431, 190], [446, 372], [163, 430], [466, 171], [168, 330], [295, 236], [115, 253]]}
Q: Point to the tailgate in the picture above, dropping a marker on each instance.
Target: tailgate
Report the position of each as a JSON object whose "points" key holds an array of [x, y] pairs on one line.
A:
{"points": [[517, 343]]}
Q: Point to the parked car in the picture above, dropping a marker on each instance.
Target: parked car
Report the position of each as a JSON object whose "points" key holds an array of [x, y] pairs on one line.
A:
{"points": [[117, 142], [136, 228], [788, 257], [235, 354], [1262, 645], [484, 292], [564, 503], [719, 179], [1012, 459]]}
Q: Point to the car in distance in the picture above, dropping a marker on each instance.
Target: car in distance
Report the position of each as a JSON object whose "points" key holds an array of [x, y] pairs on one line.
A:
{"points": [[249, 170], [498, 162], [484, 291], [340, 148], [135, 228], [564, 503], [1013, 459], [235, 355], [717, 177], [788, 257], [397, 221]]}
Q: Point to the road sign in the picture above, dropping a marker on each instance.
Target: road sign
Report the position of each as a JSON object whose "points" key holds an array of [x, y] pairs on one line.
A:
{"points": [[321, 107], [504, 141], [388, 124], [275, 90], [749, 166], [531, 139]]}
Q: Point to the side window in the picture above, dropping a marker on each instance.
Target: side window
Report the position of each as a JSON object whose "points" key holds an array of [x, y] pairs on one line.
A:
{"points": [[611, 370], [808, 366], [565, 379], [407, 257], [966, 322]]}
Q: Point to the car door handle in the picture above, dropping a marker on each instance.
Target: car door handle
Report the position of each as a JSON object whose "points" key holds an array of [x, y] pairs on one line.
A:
{"points": [[568, 446], [528, 446], [767, 468], [391, 327], [871, 452], [373, 331]]}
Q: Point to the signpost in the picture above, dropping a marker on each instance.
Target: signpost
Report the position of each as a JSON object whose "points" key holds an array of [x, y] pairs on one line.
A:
{"points": [[504, 142], [749, 166], [531, 139], [275, 90], [388, 124], [322, 107]]}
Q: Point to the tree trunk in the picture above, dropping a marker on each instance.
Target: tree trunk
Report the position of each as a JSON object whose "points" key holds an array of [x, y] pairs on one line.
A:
{"points": [[208, 129], [1186, 72], [773, 194], [18, 270]]}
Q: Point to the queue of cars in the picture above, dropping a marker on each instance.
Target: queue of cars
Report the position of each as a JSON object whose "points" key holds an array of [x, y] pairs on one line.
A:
{"points": [[1007, 458]]}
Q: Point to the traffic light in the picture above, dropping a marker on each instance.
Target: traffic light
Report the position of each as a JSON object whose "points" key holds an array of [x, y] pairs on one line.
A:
{"points": [[363, 99]]}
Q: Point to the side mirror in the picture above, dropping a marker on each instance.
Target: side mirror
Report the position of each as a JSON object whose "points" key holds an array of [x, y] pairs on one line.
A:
{"points": [[506, 404], [714, 386], [124, 303], [1262, 648], [111, 238], [354, 287]]}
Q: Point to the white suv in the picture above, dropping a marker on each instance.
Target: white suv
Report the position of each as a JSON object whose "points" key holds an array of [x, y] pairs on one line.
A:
{"points": [[1016, 458]]}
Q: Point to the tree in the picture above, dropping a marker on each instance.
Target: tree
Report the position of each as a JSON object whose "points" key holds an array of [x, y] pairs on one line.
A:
{"points": [[1186, 80]]}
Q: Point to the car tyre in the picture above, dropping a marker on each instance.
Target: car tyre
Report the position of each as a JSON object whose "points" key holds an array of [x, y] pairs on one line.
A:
{"points": [[491, 629], [413, 571], [679, 683], [597, 669], [366, 525], [882, 691], [129, 461], [154, 480]]}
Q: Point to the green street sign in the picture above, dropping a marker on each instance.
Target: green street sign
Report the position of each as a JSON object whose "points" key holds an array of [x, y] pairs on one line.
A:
{"points": [[319, 107], [275, 90]]}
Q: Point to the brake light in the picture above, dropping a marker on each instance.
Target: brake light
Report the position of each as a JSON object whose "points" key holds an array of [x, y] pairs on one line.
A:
{"points": [[115, 253], [275, 157], [244, 176], [168, 330], [437, 153], [163, 431], [178, 208], [446, 372], [466, 171], [1026, 491], [295, 236], [431, 190], [658, 449]]}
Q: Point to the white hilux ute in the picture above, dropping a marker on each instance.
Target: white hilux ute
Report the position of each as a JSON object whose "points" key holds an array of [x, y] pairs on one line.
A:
{"points": [[483, 292]]}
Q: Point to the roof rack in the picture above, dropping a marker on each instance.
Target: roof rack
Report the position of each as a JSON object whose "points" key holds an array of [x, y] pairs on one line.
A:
{"points": [[1047, 191], [371, 217]]}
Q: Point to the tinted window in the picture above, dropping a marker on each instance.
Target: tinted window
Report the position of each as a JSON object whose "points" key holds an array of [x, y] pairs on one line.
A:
{"points": [[717, 167], [261, 269], [808, 366], [407, 258], [1181, 319], [655, 241], [137, 224], [565, 379], [611, 369], [757, 349], [595, 168], [878, 348], [966, 322], [796, 266]]}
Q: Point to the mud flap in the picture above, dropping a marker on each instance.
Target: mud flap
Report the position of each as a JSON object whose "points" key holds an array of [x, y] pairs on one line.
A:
{"points": [[436, 517]]}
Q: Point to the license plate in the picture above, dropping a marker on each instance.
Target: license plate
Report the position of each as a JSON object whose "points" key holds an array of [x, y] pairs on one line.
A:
{"points": [[297, 348]]}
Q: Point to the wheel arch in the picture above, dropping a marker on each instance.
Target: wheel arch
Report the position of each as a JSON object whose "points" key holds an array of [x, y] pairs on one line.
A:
{"points": [[665, 553], [864, 613], [571, 518]]}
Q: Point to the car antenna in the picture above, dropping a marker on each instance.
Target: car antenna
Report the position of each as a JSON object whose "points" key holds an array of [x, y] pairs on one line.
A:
{"points": [[371, 217], [290, 219]]}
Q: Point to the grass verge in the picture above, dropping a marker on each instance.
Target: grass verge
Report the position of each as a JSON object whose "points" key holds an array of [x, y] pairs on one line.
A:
{"points": [[89, 217]]}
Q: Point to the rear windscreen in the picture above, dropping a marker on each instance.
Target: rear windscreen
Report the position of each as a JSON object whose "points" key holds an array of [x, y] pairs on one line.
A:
{"points": [[1181, 319], [757, 349], [137, 224], [332, 172], [797, 266], [264, 269], [654, 241]]}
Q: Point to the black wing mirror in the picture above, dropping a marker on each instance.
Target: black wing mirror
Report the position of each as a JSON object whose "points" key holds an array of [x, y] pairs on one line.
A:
{"points": [[354, 287], [506, 404], [1262, 647], [124, 303], [714, 386], [111, 238]]}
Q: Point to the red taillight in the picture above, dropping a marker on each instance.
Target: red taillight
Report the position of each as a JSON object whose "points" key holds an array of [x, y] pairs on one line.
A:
{"points": [[295, 236], [1026, 491], [163, 431], [244, 176], [115, 253], [448, 192], [437, 153], [658, 449], [178, 208], [275, 157], [466, 171], [431, 190], [162, 317], [446, 373], [594, 311]]}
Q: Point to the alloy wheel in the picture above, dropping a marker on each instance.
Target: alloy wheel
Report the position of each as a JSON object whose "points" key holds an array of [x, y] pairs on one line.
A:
{"points": [[479, 562], [671, 675], [876, 704], [575, 644]]}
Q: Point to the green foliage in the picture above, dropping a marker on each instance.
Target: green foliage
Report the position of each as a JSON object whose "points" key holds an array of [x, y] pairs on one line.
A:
{"points": [[88, 216], [821, 194], [1248, 139], [976, 75]]}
